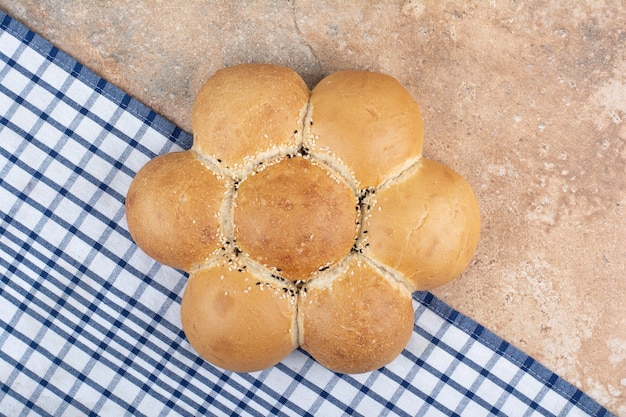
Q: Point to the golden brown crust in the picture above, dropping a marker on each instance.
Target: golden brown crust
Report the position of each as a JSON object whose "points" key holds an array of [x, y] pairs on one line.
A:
{"points": [[357, 322], [295, 218], [238, 321], [425, 226], [248, 109], [303, 222], [368, 121], [172, 210]]}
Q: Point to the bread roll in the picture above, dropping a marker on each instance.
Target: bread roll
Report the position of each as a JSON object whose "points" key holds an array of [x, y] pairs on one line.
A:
{"points": [[238, 320], [425, 225], [357, 320], [303, 218], [282, 214], [172, 210], [247, 110], [369, 122]]}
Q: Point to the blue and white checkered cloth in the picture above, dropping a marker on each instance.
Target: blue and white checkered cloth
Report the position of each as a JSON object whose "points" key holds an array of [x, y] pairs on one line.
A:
{"points": [[89, 325]]}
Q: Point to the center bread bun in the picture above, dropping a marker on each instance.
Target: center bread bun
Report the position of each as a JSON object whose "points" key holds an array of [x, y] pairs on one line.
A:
{"points": [[303, 218]]}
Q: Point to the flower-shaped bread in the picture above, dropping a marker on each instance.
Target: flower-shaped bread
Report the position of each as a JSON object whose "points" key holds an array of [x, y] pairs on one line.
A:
{"points": [[304, 218]]}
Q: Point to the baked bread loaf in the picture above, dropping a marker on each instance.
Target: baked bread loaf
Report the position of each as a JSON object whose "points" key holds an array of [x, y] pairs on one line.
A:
{"points": [[304, 218]]}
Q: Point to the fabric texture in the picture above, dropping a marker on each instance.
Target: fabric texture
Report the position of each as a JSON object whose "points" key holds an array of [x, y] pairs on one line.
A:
{"points": [[89, 325]]}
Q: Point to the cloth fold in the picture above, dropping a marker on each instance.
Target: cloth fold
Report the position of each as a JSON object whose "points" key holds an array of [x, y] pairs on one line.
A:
{"points": [[89, 325]]}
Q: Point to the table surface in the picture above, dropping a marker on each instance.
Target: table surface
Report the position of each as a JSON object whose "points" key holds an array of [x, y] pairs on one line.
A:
{"points": [[526, 101]]}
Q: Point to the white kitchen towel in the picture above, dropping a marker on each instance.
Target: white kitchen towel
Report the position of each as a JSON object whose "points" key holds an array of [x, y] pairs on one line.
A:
{"points": [[89, 325]]}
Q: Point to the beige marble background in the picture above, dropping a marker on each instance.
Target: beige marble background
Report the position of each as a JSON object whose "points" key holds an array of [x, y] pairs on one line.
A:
{"points": [[526, 99]]}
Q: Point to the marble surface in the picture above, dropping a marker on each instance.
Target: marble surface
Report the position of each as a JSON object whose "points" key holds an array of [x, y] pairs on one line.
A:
{"points": [[527, 100]]}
